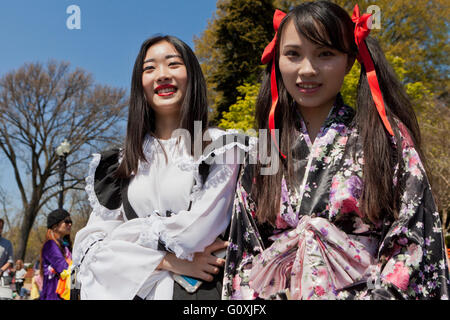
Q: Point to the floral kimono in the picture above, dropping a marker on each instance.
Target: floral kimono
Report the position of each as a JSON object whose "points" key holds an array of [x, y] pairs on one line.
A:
{"points": [[323, 246]]}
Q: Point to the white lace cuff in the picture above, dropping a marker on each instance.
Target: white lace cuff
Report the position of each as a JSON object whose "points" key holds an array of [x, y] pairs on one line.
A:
{"points": [[150, 235], [155, 234], [174, 246]]}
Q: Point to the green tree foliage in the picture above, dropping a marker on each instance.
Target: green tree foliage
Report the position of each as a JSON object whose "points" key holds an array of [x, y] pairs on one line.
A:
{"points": [[241, 115], [285, 5], [241, 31], [206, 55]]}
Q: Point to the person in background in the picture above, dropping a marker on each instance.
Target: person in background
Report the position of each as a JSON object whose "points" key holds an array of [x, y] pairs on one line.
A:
{"points": [[56, 253], [6, 253], [36, 285], [8, 275], [20, 273]]}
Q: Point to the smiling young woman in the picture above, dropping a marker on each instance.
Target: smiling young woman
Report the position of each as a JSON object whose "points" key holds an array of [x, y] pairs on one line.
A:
{"points": [[350, 213], [165, 82], [156, 210]]}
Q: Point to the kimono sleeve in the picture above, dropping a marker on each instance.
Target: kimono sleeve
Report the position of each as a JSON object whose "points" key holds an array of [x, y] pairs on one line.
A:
{"points": [[245, 241], [412, 258]]}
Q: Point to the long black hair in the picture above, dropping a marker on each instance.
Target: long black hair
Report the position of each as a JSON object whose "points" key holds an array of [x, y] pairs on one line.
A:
{"points": [[380, 198], [141, 117], [327, 24]]}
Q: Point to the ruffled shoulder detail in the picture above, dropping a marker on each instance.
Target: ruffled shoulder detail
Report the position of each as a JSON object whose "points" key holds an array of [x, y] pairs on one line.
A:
{"points": [[222, 141], [102, 187]]}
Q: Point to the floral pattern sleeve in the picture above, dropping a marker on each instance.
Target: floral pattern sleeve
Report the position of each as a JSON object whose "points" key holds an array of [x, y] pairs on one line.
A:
{"points": [[245, 242], [411, 257]]}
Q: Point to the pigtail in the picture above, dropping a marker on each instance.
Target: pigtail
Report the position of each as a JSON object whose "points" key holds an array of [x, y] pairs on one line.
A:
{"points": [[380, 197], [267, 199]]}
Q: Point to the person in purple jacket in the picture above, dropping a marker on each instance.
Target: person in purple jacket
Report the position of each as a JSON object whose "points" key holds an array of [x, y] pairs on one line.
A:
{"points": [[56, 252]]}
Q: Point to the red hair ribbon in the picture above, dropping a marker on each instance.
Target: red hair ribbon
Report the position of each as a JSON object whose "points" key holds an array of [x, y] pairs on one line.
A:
{"points": [[361, 32], [268, 55]]}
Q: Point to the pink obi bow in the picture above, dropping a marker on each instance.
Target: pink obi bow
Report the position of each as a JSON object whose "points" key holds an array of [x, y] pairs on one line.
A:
{"points": [[313, 261]]}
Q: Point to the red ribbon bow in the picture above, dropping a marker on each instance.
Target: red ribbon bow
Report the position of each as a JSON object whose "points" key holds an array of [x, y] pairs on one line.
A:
{"points": [[361, 32], [269, 54]]}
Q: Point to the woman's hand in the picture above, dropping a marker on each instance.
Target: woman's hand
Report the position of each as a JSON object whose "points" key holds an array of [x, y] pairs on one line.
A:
{"points": [[203, 266]]}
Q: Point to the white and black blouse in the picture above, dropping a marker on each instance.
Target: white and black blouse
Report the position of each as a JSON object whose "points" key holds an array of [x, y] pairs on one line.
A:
{"points": [[165, 206]]}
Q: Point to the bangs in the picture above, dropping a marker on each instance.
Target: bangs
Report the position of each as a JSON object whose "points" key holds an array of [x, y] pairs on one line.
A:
{"points": [[323, 28]]}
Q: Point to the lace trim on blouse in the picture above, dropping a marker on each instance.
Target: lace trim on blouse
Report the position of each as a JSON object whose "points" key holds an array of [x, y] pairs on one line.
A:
{"points": [[154, 233], [186, 162], [251, 148], [98, 209]]}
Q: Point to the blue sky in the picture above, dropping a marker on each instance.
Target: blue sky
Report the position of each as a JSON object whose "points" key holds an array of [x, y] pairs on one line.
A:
{"points": [[111, 34]]}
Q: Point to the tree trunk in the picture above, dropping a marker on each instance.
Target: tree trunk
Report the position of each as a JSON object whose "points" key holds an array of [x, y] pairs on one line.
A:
{"points": [[29, 216]]}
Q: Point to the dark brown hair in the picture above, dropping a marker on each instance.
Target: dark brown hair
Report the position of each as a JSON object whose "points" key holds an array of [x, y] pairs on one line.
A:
{"points": [[326, 23], [141, 118]]}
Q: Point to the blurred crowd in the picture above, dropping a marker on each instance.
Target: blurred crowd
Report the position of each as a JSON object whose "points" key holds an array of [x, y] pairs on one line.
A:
{"points": [[24, 281]]}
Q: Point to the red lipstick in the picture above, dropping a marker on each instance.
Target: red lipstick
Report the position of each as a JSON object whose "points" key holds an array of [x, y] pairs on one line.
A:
{"points": [[165, 90]]}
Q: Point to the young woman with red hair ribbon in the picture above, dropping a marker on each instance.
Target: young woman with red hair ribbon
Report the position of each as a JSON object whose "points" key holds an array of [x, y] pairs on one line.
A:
{"points": [[350, 213]]}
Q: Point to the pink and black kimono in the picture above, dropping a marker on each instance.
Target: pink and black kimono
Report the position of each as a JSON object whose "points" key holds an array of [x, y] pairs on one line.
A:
{"points": [[323, 246]]}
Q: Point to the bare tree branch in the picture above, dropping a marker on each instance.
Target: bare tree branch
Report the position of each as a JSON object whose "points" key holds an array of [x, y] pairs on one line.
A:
{"points": [[40, 106]]}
